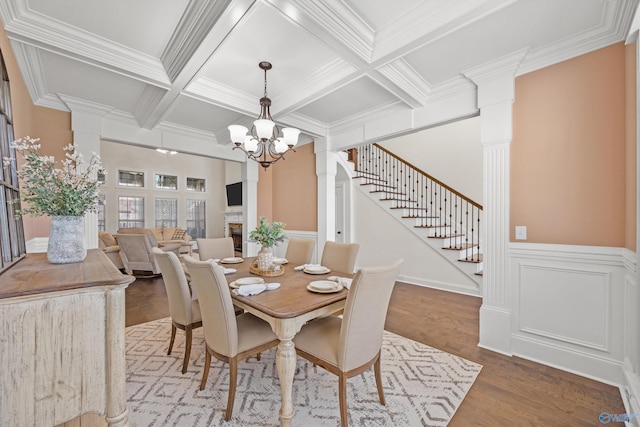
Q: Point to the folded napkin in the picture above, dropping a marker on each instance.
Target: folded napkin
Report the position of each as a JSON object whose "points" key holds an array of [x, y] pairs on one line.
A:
{"points": [[246, 290], [214, 259], [303, 266], [344, 281], [229, 270]]}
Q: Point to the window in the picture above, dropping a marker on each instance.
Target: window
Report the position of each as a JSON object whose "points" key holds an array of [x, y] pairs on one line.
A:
{"points": [[196, 219], [130, 212], [131, 178], [102, 178], [166, 182], [195, 184], [12, 245], [166, 213], [101, 213]]}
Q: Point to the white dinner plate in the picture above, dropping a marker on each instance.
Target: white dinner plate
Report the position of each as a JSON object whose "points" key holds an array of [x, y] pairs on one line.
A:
{"points": [[280, 261], [323, 285], [337, 288], [232, 260], [246, 281], [316, 269]]}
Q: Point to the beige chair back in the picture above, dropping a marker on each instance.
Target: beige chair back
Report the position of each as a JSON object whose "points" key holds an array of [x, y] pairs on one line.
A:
{"points": [[176, 285], [139, 230], [135, 251], [300, 251], [340, 256], [364, 315], [218, 318], [215, 248]]}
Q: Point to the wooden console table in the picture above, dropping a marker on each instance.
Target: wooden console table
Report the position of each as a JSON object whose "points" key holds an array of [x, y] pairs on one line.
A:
{"points": [[63, 342]]}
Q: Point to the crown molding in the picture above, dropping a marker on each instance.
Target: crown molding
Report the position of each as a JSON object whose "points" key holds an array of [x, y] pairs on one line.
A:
{"points": [[149, 109], [195, 26], [451, 88], [337, 20], [618, 18], [406, 78], [39, 31], [83, 106], [505, 66], [212, 92], [364, 117], [30, 64], [306, 124]]}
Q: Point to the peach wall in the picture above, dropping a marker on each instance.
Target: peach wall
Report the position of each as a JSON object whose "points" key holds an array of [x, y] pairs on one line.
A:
{"points": [[295, 190], [265, 193], [53, 127], [568, 151], [631, 136]]}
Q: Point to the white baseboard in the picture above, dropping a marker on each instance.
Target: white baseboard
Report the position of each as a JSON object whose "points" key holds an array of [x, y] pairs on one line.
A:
{"points": [[443, 286]]}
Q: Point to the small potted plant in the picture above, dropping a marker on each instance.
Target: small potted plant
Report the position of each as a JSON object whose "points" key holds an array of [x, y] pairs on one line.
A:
{"points": [[268, 236]]}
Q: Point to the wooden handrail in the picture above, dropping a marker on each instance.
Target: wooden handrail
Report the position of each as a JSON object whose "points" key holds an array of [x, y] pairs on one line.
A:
{"points": [[437, 181]]}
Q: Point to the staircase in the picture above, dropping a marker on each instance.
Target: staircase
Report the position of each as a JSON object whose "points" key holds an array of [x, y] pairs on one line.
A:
{"points": [[442, 217]]}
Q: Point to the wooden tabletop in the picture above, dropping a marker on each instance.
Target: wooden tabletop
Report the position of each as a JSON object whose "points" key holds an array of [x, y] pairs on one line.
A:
{"points": [[36, 275], [292, 298]]}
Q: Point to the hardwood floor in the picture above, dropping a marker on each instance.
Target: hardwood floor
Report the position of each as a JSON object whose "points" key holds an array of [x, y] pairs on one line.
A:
{"points": [[509, 391]]}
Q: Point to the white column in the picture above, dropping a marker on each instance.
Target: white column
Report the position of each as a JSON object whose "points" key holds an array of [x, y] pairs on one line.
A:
{"points": [[495, 82], [326, 168], [86, 124], [249, 206]]}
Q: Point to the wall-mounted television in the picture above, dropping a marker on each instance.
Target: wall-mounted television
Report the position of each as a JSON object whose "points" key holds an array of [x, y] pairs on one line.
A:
{"points": [[234, 194]]}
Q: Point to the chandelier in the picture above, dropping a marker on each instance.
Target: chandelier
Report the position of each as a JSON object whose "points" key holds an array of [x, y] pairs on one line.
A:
{"points": [[264, 144]]}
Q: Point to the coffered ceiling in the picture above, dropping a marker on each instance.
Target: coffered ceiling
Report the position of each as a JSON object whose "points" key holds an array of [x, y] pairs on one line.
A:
{"points": [[193, 64]]}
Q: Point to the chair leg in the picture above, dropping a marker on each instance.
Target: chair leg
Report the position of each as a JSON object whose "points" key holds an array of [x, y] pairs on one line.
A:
{"points": [[205, 373], [342, 397], [233, 379], [376, 370], [187, 347], [173, 338], [258, 356]]}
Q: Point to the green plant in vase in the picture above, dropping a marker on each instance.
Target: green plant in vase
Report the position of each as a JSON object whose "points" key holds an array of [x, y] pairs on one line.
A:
{"points": [[268, 235]]}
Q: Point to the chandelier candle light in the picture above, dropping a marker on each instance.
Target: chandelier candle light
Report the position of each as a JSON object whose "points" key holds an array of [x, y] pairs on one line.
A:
{"points": [[264, 144]]}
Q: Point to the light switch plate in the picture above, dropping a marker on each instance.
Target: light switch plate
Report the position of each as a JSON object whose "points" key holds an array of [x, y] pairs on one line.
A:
{"points": [[521, 232]]}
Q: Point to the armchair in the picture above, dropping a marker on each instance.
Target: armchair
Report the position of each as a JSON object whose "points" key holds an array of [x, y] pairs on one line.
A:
{"points": [[136, 253], [109, 245]]}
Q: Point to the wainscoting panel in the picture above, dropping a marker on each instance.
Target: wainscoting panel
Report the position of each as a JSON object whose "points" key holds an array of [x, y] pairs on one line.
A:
{"points": [[569, 305], [568, 308]]}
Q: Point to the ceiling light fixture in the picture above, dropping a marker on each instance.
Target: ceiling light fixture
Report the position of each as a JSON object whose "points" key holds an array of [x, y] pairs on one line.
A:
{"points": [[264, 144], [167, 152]]}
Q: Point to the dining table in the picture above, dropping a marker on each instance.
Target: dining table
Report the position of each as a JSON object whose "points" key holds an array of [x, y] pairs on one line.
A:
{"points": [[287, 309]]}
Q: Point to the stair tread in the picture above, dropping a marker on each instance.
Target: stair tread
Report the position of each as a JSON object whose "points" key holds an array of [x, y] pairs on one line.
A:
{"points": [[475, 258], [445, 236], [460, 246]]}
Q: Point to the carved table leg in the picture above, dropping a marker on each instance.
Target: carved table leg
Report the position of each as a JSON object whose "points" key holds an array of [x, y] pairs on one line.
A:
{"points": [[286, 366]]}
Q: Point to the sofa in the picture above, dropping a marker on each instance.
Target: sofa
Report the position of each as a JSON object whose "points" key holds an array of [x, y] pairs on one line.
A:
{"points": [[164, 236], [109, 245]]}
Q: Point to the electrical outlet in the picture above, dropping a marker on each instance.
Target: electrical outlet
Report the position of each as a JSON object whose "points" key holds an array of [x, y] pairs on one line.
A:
{"points": [[521, 232]]}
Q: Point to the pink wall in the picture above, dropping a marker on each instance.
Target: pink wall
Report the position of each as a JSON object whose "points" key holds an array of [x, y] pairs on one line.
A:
{"points": [[631, 193], [53, 127], [568, 168]]}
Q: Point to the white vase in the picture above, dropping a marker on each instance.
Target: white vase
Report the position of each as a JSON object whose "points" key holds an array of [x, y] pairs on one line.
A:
{"points": [[265, 258], [66, 240]]}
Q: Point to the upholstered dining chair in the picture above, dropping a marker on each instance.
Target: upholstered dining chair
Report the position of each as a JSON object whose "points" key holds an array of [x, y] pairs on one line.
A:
{"points": [[340, 256], [299, 251], [216, 248], [227, 337], [349, 346], [185, 310]]}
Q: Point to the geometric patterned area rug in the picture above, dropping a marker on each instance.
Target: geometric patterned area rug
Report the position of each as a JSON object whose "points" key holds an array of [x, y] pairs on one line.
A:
{"points": [[422, 386]]}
